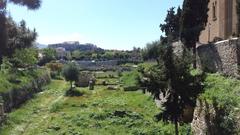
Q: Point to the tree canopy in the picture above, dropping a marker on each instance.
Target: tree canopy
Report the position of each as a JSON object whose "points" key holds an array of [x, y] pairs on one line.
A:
{"points": [[70, 73], [172, 23], [193, 21], [4, 23], [30, 4]]}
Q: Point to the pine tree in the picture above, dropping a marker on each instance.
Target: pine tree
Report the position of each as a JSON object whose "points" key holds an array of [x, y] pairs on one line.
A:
{"points": [[172, 23], [193, 21], [30, 4]]}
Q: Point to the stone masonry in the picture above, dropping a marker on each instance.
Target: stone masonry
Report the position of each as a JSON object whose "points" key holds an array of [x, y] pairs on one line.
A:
{"points": [[222, 57], [222, 20]]}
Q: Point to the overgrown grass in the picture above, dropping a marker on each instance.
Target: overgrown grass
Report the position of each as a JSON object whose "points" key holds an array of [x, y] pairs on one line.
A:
{"points": [[35, 111], [107, 74], [224, 94], [96, 112], [21, 78], [130, 78]]}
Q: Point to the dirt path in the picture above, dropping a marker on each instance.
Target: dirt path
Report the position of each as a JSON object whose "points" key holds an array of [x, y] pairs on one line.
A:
{"points": [[38, 108]]}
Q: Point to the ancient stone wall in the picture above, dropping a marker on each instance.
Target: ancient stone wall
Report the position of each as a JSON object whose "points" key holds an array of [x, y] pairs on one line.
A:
{"points": [[220, 57], [203, 119], [15, 97], [222, 20]]}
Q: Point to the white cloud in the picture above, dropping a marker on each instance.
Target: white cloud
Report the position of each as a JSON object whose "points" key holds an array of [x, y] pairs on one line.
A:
{"points": [[62, 38]]}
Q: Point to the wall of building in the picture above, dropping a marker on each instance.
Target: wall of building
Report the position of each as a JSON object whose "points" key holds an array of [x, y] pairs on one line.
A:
{"points": [[220, 57], [204, 119], [235, 17], [212, 27], [225, 23]]}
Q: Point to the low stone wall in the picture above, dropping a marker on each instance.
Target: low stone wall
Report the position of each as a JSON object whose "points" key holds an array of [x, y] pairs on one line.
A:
{"points": [[16, 97], [220, 57], [203, 119]]}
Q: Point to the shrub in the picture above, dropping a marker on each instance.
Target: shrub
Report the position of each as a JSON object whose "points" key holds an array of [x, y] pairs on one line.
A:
{"points": [[55, 107], [24, 58], [130, 88], [223, 93], [130, 79], [70, 72], [54, 66], [55, 69]]}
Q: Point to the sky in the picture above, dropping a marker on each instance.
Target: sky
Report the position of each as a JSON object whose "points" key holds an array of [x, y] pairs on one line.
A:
{"points": [[110, 24]]}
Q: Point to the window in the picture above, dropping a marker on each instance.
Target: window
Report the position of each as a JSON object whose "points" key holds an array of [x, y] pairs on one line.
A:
{"points": [[214, 10]]}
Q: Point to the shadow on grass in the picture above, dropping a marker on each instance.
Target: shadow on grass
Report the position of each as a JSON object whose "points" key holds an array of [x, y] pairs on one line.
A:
{"points": [[74, 93]]}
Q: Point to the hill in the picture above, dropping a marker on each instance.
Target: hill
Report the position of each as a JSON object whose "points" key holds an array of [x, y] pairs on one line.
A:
{"points": [[75, 45]]}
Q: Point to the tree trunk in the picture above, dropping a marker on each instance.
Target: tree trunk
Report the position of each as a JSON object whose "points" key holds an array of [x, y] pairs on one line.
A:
{"points": [[176, 126], [194, 57], [158, 62], [3, 35], [71, 85]]}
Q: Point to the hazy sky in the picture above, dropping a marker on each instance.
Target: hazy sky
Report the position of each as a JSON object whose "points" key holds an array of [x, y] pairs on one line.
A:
{"points": [[110, 24]]}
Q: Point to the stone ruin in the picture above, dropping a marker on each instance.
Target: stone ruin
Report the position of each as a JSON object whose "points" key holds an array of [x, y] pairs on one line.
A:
{"points": [[84, 78], [222, 56]]}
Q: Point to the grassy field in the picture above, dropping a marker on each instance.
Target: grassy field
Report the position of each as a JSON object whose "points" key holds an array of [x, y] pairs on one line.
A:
{"points": [[98, 112]]}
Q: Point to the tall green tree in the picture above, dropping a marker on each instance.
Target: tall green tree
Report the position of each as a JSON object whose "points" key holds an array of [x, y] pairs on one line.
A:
{"points": [[70, 73], [151, 51], [172, 23], [194, 19], [30, 4], [173, 84], [19, 36]]}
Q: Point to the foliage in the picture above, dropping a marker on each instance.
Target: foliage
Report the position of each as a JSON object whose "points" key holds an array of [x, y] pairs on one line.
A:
{"points": [[70, 72], [193, 21], [172, 24], [151, 51], [100, 112], [54, 66], [172, 83], [24, 58], [130, 78], [6, 25], [24, 77], [6, 66], [49, 55], [223, 93], [55, 69], [30, 4], [104, 55], [19, 36]]}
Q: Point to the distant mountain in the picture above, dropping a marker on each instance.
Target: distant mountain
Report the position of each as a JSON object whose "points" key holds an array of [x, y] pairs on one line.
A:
{"points": [[41, 46], [75, 45]]}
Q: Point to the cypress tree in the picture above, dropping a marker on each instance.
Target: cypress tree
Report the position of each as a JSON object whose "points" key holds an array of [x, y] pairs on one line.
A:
{"points": [[194, 19], [172, 23]]}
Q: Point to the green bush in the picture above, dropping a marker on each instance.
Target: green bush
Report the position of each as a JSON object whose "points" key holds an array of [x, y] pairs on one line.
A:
{"points": [[223, 93], [130, 88], [9, 81], [130, 79], [55, 107]]}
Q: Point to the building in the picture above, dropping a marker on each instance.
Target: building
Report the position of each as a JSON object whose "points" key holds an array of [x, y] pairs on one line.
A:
{"points": [[60, 52], [222, 21]]}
